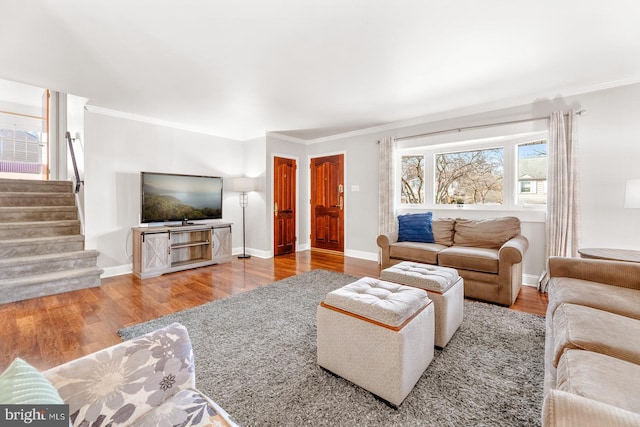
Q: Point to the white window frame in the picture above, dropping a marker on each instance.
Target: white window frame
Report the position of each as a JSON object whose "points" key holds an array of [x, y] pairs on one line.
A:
{"points": [[509, 143]]}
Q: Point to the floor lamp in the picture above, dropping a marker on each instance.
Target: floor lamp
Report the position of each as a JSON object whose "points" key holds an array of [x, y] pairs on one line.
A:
{"points": [[243, 186]]}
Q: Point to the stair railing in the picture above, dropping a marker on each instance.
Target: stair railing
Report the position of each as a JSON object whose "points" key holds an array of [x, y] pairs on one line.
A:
{"points": [[73, 160]]}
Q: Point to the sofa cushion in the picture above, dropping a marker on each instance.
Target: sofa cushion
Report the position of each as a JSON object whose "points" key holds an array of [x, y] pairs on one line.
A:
{"points": [[414, 251], [415, 228], [562, 409], [586, 328], [485, 233], [615, 299], [600, 377], [186, 408], [469, 258], [443, 230]]}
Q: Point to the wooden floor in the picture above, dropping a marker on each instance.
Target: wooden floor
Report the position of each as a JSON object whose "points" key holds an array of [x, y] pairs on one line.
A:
{"points": [[51, 330]]}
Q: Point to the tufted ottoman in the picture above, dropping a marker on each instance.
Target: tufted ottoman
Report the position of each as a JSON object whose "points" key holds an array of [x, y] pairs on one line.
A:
{"points": [[444, 287], [378, 335]]}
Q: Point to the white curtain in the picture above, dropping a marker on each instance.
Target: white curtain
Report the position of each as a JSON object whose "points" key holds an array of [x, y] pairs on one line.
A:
{"points": [[563, 211], [386, 187]]}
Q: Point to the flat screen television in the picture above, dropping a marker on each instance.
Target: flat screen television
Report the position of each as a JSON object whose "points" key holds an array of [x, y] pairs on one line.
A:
{"points": [[169, 197]]}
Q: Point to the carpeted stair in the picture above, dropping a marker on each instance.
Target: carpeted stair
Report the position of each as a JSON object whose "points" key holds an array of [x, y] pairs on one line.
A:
{"points": [[41, 248]]}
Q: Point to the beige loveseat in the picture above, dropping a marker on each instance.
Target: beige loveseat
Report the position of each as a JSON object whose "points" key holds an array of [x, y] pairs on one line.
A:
{"points": [[592, 350], [487, 253]]}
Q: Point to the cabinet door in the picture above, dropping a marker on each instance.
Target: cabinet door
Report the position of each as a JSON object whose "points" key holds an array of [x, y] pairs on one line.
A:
{"points": [[221, 250], [155, 252]]}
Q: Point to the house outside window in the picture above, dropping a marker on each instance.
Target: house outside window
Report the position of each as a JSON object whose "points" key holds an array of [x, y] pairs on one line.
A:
{"points": [[532, 173]]}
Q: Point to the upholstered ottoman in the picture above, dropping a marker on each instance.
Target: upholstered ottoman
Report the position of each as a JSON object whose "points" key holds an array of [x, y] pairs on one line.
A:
{"points": [[444, 287], [378, 335]]}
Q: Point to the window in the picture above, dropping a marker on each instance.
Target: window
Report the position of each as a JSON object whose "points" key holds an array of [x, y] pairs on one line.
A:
{"points": [[470, 177], [532, 173], [527, 187], [412, 179], [500, 172]]}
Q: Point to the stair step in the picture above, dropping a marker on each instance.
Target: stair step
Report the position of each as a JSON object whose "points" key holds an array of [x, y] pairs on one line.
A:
{"points": [[40, 264], [25, 230], [37, 199], [40, 246], [21, 288], [37, 186], [37, 213]]}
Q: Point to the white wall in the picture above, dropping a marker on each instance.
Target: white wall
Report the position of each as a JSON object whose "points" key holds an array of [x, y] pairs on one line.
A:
{"points": [[116, 151], [609, 144], [257, 227]]}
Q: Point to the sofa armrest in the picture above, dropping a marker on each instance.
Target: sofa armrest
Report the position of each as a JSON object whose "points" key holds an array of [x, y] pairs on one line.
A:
{"points": [[617, 273], [513, 250], [568, 410], [126, 380], [384, 241]]}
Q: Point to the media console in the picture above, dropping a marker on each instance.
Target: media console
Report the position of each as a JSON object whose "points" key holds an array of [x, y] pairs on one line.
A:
{"points": [[165, 249]]}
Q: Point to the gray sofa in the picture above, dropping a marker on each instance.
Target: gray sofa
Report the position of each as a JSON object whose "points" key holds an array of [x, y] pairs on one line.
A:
{"points": [[592, 350], [487, 253]]}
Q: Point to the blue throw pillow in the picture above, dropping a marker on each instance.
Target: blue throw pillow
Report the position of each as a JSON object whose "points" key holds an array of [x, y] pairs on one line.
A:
{"points": [[415, 228]]}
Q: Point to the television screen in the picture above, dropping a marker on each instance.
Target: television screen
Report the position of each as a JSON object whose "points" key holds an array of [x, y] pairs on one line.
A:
{"points": [[172, 197]]}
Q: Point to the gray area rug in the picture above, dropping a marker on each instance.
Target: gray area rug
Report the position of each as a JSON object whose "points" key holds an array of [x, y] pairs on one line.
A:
{"points": [[256, 356]]}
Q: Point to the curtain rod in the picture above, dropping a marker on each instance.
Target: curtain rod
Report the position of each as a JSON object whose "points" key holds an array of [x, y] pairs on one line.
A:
{"points": [[460, 129]]}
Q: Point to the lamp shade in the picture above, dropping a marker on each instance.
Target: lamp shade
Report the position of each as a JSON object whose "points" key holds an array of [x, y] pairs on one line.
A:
{"points": [[632, 194], [244, 184]]}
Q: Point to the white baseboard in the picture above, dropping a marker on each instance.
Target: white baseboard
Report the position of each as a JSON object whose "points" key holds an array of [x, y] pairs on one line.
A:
{"points": [[118, 270], [371, 256], [253, 252], [530, 280]]}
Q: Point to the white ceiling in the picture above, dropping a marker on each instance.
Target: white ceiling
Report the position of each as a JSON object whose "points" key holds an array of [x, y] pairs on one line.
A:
{"points": [[240, 68]]}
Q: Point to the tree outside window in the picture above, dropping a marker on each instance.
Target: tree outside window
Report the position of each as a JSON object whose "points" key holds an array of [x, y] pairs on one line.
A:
{"points": [[412, 180], [470, 177]]}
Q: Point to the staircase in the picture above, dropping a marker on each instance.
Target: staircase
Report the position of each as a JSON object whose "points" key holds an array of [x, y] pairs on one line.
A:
{"points": [[41, 248]]}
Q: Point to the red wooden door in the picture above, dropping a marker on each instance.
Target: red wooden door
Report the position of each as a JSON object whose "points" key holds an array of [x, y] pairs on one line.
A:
{"points": [[327, 203], [284, 206]]}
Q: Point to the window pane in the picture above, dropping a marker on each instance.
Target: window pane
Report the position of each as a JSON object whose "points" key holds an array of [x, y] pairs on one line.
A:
{"points": [[532, 173], [412, 179], [470, 177]]}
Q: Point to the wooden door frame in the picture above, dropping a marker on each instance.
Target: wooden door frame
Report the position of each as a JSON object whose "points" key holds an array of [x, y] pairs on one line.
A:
{"points": [[271, 201], [344, 175]]}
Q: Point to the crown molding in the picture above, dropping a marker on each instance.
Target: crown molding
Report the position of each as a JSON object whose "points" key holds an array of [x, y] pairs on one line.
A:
{"points": [[288, 138], [479, 108], [150, 120]]}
